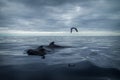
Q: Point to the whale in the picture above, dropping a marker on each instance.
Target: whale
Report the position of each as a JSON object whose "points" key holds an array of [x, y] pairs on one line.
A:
{"points": [[58, 47], [35, 52]]}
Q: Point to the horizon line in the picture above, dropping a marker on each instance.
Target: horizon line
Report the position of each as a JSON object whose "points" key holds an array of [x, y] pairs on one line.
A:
{"points": [[60, 33]]}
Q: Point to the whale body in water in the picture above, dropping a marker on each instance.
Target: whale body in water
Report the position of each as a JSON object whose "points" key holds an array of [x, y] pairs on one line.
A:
{"points": [[45, 49], [53, 45]]}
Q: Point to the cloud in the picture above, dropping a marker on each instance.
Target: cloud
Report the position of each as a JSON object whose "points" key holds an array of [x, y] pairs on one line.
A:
{"points": [[60, 15]]}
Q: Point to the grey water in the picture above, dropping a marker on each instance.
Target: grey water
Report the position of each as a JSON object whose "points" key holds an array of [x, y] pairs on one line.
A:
{"points": [[103, 51]]}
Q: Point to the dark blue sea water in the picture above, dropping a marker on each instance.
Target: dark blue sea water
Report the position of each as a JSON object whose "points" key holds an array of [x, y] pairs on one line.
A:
{"points": [[102, 51]]}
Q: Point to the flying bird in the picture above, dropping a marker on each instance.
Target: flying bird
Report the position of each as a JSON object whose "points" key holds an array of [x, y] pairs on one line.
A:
{"points": [[73, 28]]}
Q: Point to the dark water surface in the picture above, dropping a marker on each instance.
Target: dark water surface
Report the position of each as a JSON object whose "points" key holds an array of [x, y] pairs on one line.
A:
{"points": [[88, 58], [102, 51]]}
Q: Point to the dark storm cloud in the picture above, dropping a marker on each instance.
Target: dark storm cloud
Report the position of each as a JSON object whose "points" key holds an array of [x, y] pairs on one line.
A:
{"points": [[38, 3], [49, 15]]}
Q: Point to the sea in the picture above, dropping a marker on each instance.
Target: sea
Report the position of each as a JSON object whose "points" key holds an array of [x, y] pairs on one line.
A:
{"points": [[103, 51]]}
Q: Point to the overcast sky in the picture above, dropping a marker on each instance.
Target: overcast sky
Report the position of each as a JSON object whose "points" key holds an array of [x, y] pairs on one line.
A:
{"points": [[59, 15]]}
